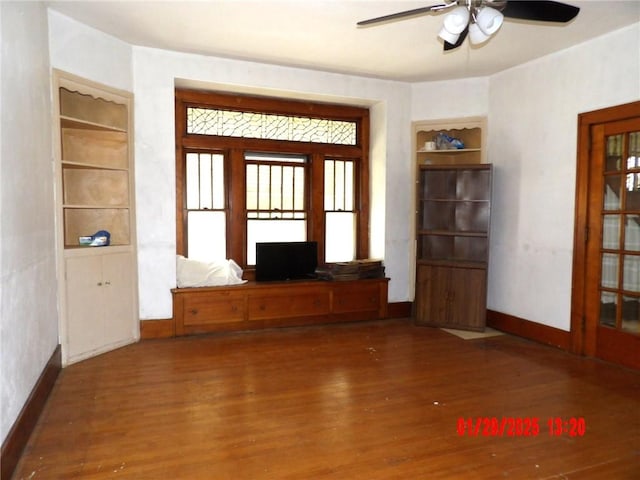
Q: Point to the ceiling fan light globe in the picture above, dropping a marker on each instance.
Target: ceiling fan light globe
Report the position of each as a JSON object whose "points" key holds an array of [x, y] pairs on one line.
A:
{"points": [[477, 36], [457, 20], [489, 20], [447, 36]]}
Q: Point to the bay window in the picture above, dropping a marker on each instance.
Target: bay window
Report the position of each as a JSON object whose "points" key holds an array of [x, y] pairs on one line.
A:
{"points": [[256, 169]]}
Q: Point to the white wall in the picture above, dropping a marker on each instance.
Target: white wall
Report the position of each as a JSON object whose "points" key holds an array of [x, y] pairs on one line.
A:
{"points": [[89, 53], [155, 74], [533, 113], [28, 320], [468, 97]]}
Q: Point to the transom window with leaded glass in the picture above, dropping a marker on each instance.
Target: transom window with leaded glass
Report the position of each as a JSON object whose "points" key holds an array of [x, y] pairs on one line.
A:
{"points": [[229, 123]]}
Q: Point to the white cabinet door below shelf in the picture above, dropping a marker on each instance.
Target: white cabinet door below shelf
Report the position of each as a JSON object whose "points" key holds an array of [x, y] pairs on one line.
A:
{"points": [[119, 294], [101, 306], [84, 305]]}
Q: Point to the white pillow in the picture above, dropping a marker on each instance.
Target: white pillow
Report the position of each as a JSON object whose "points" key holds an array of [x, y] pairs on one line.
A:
{"points": [[193, 273]]}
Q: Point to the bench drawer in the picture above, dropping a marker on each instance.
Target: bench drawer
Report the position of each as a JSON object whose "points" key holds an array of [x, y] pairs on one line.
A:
{"points": [[285, 305], [364, 297], [213, 307]]}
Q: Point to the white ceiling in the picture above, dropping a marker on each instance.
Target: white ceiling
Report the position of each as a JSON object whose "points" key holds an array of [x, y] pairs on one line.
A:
{"points": [[322, 34]]}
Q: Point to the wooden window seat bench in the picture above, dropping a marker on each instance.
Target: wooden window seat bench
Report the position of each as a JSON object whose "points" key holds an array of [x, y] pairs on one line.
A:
{"points": [[257, 305]]}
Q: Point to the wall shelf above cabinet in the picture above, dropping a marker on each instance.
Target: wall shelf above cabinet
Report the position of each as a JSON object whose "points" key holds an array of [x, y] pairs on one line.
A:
{"points": [[92, 108], [97, 188], [88, 166], [450, 151], [95, 148], [96, 169], [470, 131], [70, 122]]}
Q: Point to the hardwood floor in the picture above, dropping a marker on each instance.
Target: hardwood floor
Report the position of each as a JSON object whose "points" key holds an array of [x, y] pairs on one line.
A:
{"points": [[376, 400]]}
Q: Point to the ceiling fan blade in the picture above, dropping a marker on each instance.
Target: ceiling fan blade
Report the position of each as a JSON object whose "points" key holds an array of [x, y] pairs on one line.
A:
{"points": [[451, 46], [407, 13], [543, 11]]}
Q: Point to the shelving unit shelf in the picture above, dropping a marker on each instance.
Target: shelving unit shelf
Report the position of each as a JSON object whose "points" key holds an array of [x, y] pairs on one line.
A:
{"points": [[471, 131], [95, 166], [94, 171]]}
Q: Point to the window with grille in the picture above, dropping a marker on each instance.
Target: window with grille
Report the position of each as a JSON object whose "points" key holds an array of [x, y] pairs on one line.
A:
{"points": [[205, 198], [339, 207], [276, 199], [255, 169]]}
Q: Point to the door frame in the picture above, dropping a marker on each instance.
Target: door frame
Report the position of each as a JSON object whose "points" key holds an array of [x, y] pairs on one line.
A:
{"points": [[583, 338]]}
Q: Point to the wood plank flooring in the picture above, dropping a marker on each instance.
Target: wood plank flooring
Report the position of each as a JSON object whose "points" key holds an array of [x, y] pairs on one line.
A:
{"points": [[375, 400]]}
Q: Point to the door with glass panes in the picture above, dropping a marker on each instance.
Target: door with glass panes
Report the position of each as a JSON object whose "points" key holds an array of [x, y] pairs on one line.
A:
{"points": [[612, 293]]}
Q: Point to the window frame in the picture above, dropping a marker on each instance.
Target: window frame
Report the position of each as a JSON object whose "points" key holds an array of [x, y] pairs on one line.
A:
{"points": [[233, 149], [225, 200]]}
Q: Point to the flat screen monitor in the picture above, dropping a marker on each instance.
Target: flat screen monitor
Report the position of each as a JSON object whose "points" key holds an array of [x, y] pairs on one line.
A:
{"points": [[286, 260]]}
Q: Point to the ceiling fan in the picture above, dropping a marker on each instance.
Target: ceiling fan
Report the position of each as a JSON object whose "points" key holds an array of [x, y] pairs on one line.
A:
{"points": [[482, 18]]}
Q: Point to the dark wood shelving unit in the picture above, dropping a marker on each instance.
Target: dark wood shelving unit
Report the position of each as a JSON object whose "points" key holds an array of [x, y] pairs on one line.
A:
{"points": [[452, 245]]}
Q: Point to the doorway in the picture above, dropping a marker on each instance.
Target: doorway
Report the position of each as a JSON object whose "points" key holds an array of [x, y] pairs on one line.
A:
{"points": [[605, 312]]}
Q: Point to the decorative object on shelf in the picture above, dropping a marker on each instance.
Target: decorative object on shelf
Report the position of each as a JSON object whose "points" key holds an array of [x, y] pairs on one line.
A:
{"points": [[480, 19], [85, 241], [447, 142], [450, 141], [101, 238]]}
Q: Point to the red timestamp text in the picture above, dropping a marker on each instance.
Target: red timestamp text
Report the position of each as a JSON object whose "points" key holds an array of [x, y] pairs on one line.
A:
{"points": [[570, 426], [498, 427], [520, 426]]}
